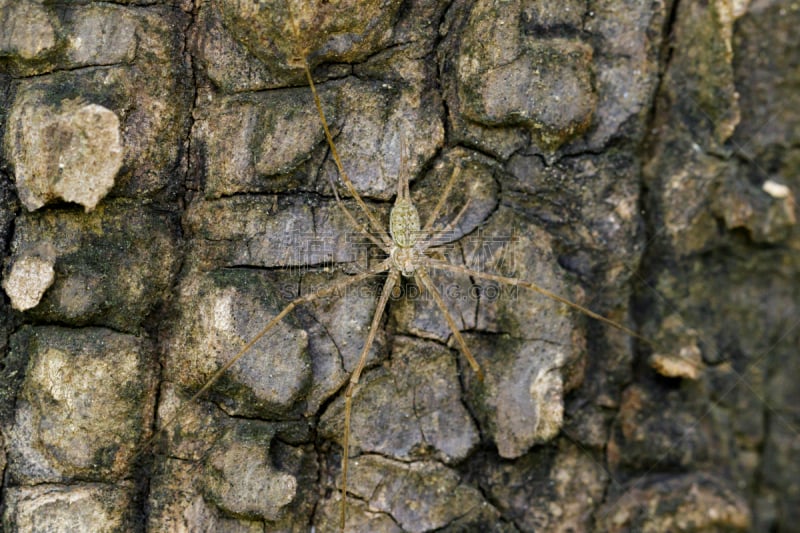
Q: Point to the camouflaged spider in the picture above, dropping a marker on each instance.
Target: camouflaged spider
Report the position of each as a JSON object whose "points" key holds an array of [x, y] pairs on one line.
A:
{"points": [[410, 249]]}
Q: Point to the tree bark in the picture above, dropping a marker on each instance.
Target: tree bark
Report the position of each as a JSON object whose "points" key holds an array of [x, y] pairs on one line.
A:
{"points": [[167, 189]]}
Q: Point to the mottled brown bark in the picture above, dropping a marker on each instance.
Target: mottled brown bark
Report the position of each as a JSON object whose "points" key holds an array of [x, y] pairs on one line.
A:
{"points": [[166, 190]]}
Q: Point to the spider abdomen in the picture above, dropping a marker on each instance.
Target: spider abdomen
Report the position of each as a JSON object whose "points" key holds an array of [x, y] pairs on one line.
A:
{"points": [[404, 223]]}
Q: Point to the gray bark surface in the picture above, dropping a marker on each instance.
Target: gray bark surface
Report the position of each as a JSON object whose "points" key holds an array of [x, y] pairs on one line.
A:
{"points": [[166, 189]]}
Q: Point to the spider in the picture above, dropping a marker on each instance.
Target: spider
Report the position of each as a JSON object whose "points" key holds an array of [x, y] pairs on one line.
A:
{"points": [[410, 250]]}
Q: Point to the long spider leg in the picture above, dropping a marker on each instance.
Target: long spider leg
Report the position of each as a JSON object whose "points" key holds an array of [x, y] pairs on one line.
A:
{"points": [[376, 227], [402, 179], [244, 349], [356, 224], [426, 231], [434, 263], [423, 276], [431, 241], [391, 281]]}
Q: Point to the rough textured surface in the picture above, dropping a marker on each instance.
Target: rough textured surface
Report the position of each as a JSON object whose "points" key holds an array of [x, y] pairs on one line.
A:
{"points": [[127, 62], [246, 149], [698, 503], [544, 86], [112, 265], [88, 507], [275, 375], [550, 488], [29, 276], [72, 152], [29, 31], [410, 405], [218, 462], [92, 381], [640, 159], [419, 496]]}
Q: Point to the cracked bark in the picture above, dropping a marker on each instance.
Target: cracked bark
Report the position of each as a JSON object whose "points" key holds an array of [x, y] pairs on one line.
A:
{"points": [[645, 156]]}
